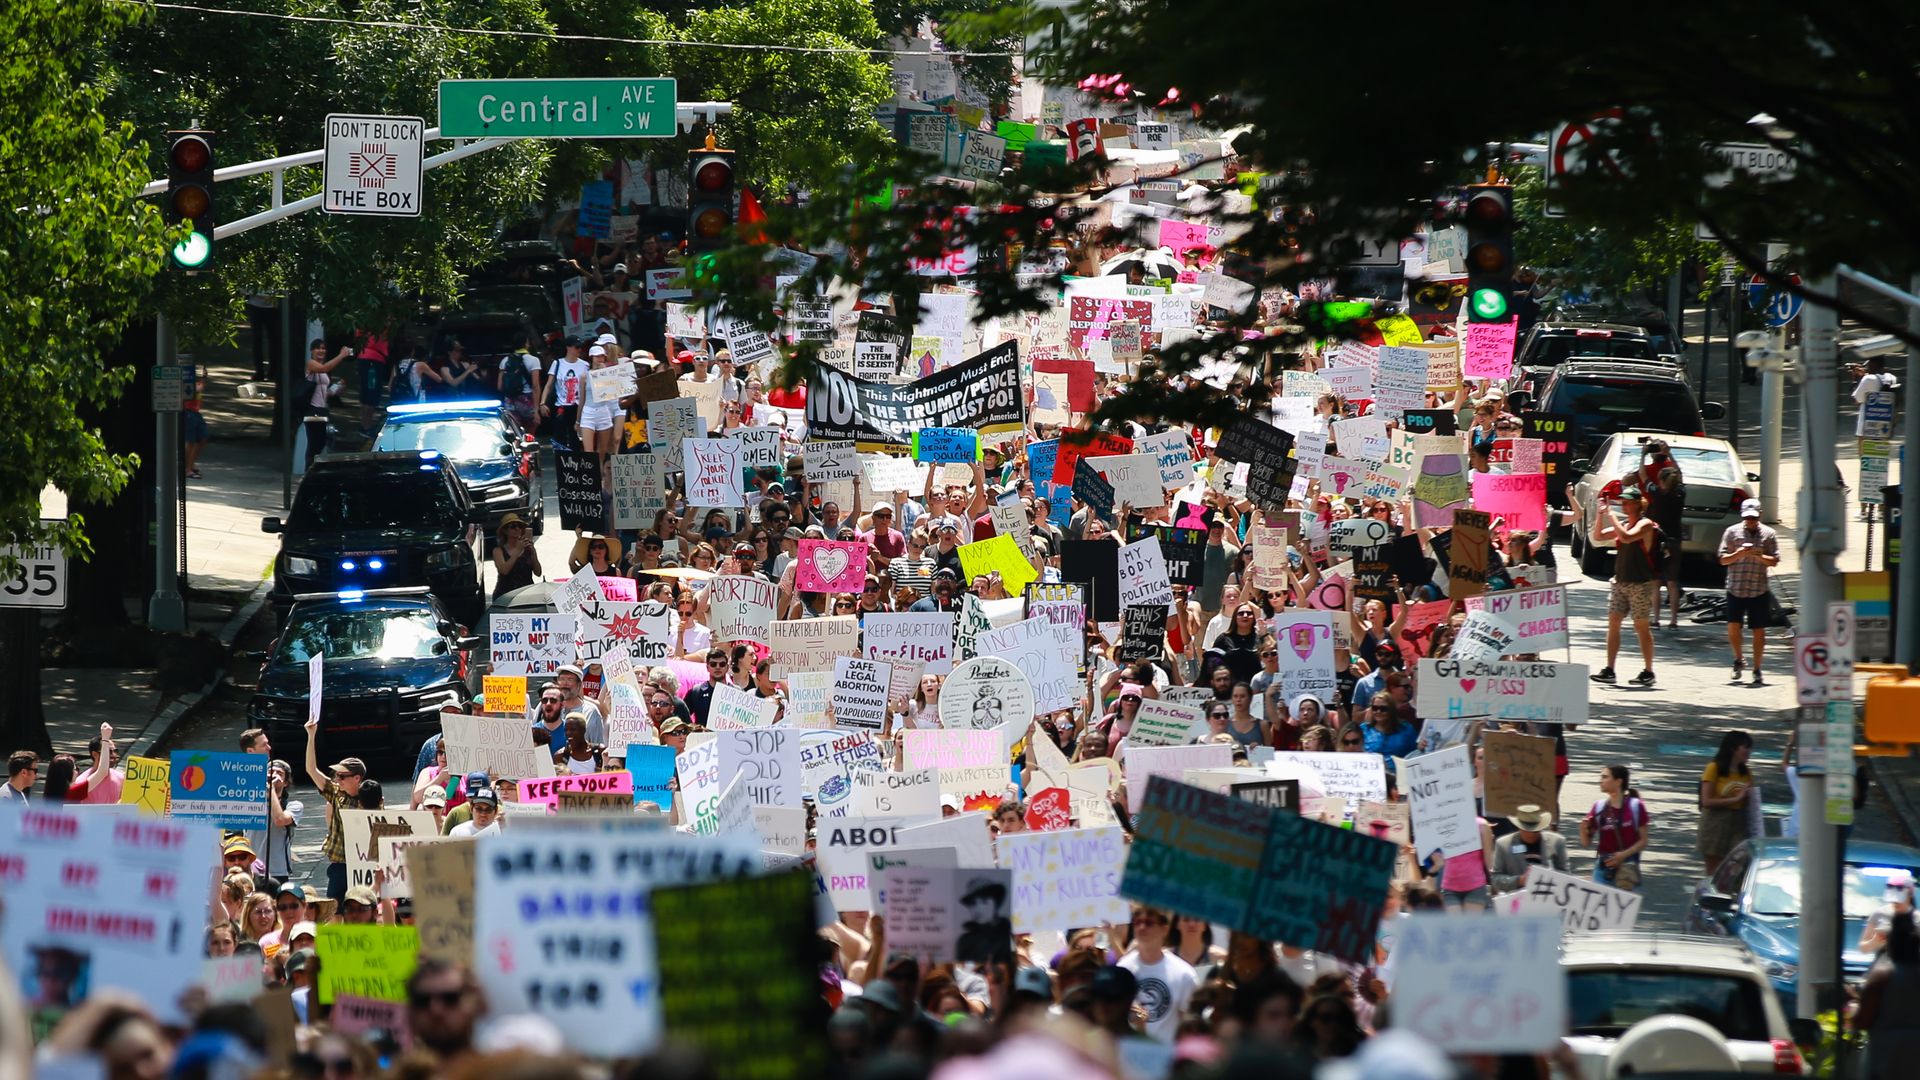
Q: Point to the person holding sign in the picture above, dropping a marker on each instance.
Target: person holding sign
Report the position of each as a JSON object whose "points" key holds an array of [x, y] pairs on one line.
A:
{"points": [[1636, 540]]}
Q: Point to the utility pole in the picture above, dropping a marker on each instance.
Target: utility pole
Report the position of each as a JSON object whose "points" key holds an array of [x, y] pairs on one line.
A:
{"points": [[165, 608], [1906, 649], [1822, 537]]}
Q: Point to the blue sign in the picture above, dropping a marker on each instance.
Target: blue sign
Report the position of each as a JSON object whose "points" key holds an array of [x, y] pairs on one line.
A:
{"points": [[943, 444], [1059, 499], [1781, 306], [652, 769], [596, 210], [228, 790]]}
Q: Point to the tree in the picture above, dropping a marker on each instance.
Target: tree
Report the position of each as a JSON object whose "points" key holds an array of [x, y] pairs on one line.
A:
{"points": [[80, 254]]}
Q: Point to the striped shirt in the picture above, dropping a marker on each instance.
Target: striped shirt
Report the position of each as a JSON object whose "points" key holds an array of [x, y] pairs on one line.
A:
{"points": [[915, 574], [1747, 578]]}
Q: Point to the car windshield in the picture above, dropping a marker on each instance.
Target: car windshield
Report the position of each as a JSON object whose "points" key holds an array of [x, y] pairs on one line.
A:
{"points": [[1601, 406], [1776, 887], [1698, 464], [471, 439], [1555, 348], [1608, 1002], [400, 497], [362, 634]]}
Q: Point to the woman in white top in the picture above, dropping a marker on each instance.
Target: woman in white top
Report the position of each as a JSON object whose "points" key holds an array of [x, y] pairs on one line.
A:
{"points": [[925, 707], [599, 420], [320, 378], [579, 757]]}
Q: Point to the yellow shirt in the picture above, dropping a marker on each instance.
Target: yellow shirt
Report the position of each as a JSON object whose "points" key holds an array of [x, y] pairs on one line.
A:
{"points": [[1724, 788]]}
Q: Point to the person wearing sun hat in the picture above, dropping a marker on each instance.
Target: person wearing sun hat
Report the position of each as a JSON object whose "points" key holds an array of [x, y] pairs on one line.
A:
{"points": [[516, 564], [605, 561], [1533, 843]]}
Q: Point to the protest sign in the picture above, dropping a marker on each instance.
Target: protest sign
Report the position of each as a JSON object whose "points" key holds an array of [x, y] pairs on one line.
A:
{"points": [[828, 461], [504, 695], [936, 748], [1357, 534], [1502, 690], [369, 835], [913, 794], [998, 555], [828, 760], [638, 490], [1046, 653], [228, 790], [1067, 877], [860, 692], [1346, 776], [1061, 604], [1352, 382], [365, 960], [1143, 631], [652, 768], [759, 447], [1268, 452], [577, 480], [1049, 810], [880, 860], [353, 1015], [830, 566], [1184, 550], [148, 785], [1469, 553], [1554, 430], [1272, 794], [946, 915], [807, 693], [1163, 723], [546, 791], [713, 472], [1480, 986], [767, 763], [918, 637], [1518, 771], [1010, 519], [1488, 352], [1321, 886], [1095, 563], [982, 393], [1400, 380], [1579, 904], [608, 1005], [638, 628], [492, 744], [742, 948], [611, 383], [946, 444], [739, 608], [1194, 852], [595, 802], [1439, 489], [1305, 640], [442, 876], [1135, 479], [985, 692], [1518, 499], [1143, 575], [1172, 452], [844, 845], [811, 644], [1439, 789], [732, 708], [1093, 489], [1075, 446], [1145, 762], [1538, 616], [102, 900], [230, 980], [686, 322], [1483, 636]]}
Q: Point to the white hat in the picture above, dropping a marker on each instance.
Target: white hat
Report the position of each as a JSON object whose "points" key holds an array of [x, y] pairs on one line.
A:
{"points": [[1750, 508], [596, 351], [608, 339]]}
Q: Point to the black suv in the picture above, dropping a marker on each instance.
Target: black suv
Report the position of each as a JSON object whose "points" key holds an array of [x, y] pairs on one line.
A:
{"points": [[370, 521], [392, 660], [1550, 344], [1604, 397], [496, 460]]}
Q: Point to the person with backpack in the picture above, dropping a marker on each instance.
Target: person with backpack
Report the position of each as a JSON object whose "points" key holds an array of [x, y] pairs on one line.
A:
{"points": [[1639, 557], [519, 384], [1616, 828], [1666, 505]]}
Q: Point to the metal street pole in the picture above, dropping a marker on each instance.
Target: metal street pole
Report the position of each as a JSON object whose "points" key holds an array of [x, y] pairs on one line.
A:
{"points": [[1907, 612], [1735, 374], [165, 609], [1772, 419], [283, 400], [1822, 537]]}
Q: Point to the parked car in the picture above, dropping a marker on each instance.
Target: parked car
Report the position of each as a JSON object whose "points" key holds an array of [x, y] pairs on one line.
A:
{"points": [[380, 520], [496, 460], [1716, 484], [392, 659], [1755, 897], [1617, 979], [1550, 344], [1607, 397]]}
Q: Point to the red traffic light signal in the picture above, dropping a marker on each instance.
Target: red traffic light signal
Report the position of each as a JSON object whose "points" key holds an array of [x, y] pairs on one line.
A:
{"points": [[710, 199]]}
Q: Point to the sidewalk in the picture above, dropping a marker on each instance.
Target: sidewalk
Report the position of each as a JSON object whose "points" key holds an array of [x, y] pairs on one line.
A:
{"points": [[229, 564]]}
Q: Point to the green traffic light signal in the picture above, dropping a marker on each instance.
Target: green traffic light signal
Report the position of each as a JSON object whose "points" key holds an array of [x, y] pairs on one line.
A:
{"points": [[1489, 304], [192, 251]]}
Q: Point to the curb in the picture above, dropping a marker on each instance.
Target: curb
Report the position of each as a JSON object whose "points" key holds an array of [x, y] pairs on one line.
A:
{"points": [[173, 715]]}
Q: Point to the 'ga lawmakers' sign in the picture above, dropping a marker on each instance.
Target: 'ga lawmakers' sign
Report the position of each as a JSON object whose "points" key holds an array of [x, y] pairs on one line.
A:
{"points": [[982, 393], [1502, 690]]}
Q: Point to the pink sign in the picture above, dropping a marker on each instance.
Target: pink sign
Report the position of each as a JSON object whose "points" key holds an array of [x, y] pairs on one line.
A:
{"points": [[1521, 500], [546, 790], [1050, 810], [831, 566], [1416, 635], [1182, 235], [620, 588], [1488, 351]]}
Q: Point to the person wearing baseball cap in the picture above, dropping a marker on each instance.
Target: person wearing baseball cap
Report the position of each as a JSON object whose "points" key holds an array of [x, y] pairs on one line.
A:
{"points": [[359, 905], [1748, 551], [339, 785], [1635, 584]]}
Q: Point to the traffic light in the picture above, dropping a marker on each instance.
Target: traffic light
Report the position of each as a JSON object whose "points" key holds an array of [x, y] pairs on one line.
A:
{"points": [[190, 195], [710, 198], [1489, 217]]}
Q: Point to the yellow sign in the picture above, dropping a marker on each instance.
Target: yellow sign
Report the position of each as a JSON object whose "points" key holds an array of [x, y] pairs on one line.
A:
{"points": [[148, 786], [366, 960], [1398, 330], [506, 695], [999, 554]]}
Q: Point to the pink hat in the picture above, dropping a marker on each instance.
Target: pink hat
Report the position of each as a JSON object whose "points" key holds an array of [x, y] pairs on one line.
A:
{"points": [[1132, 688]]}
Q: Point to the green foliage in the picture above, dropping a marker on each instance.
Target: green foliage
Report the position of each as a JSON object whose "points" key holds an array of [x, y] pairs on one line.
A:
{"points": [[76, 260], [1612, 262]]}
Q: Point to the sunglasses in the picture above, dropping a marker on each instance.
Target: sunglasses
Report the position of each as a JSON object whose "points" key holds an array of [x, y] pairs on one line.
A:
{"points": [[296, 906], [445, 998], [1269, 652], [661, 703], [1353, 742]]}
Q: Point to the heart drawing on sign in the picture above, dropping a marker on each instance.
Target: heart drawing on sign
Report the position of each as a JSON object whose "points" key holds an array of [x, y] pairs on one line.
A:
{"points": [[830, 564], [1467, 685]]}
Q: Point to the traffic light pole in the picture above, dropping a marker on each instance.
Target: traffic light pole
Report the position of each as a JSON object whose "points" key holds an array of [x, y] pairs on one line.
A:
{"points": [[1906, 648], [166, 610], [1822, 537]]}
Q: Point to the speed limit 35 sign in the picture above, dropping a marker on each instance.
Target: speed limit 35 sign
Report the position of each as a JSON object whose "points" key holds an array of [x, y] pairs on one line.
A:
{"points": [[38, 578]]}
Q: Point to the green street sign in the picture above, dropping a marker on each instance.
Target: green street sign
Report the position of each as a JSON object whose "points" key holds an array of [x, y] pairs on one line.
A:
{"points": [[557, 108]]}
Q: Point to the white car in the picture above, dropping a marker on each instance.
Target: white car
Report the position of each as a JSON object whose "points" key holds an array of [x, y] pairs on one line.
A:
{"points": [[1716, 482], [1617, 979]]}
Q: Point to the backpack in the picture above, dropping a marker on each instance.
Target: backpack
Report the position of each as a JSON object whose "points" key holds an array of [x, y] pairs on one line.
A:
{"points": [[513, 376], [1656, 549], [403, 392]]}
